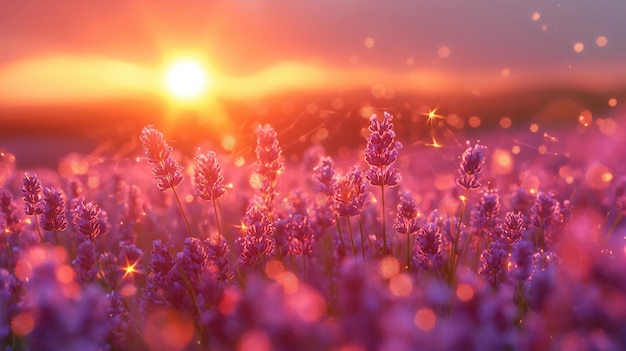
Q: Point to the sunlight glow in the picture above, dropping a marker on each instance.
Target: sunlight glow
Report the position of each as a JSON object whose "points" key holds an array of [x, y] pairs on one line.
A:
{"points": [[187, 79]]}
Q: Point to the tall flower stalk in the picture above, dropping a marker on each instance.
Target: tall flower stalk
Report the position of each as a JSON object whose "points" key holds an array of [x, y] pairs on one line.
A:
{"points": [[269, 165], [165, 169], [53, 218], [349, 198], [33, 194], [208, 181], [380, 154]]}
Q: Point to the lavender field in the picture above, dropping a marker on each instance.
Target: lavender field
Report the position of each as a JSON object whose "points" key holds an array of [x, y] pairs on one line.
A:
{"points": [[512, 242]]}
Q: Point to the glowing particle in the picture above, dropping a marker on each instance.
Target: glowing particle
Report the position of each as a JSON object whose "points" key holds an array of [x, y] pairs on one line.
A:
{"points": [[579, 47], [612, 102], [598, 176], [228, 142], [288, 281], [22, 324], [607, 126], [501, 161], [93, 182], [240, 161], [389, 266], [505, 122], [455, 121], [464, 292], [585, 118], [425, 319], [601, 41], [534, 128], [65, 274], [474, 121], [189, 198], [443, 52], [536, 16], [542, 149], [505, 73], [273, 268], [366, 111], [544, 27], [369, 42], [401, 285]]}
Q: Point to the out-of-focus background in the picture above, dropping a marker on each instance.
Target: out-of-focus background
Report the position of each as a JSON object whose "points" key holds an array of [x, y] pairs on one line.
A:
{"points": [[86, 76]]}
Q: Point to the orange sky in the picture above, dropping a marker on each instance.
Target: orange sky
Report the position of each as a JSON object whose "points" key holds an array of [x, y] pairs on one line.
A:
{"points": [[66, 51]]}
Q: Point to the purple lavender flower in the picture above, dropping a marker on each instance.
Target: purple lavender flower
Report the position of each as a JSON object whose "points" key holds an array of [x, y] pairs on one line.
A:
{"points": [[513, 227], [324, 174], [165, 169], [257, 241], [192, 259], [208, 178], [406, 218], [381, 152], [350, 194], [269, 164], [87, 219], [545, 211], [471, 165], [85, 263], [493, 263], [521, 260], [217, 251], [299, 235], [427, 249], [53, 218], [9, 213], [33, 195]]}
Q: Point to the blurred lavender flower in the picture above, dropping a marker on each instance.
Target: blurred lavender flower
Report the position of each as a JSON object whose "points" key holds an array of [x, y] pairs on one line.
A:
{"points": [[165, 169], [33, 195], [406, 218], [192, 260], [350, 194], [300, 235], [208, 180], [493, 263], [87, 219], [324, 174], [8, 211], [545, 212], [257, 241], [161, 264], [269, 164], [381, 152], [521, 261], [513, 227], [217, 255], [485, 219], [85, 263], [53, 218], [471, 166], [427, 249]]}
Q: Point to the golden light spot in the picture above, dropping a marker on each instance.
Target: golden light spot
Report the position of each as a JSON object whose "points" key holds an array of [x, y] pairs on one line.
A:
{"points": [[612, 102], [501, 161], [536, 16], [273, 268], [474, 121], [530, 182], [369, 42], [455, 121], [366, 111], [389, 267], [505, 73], [443, 52], [240, 161], [585, 118], [425, 319], [401, 285], [505, 122], [601, 41], [256, 181], [254, 339], [288, 281], [65, 274], [432, 114], [542, 149], [228, 142], [167, 329], [93, 182], [464, 292], [516, 149], [607, 126], [534, 128], [130, 269], [579, 47], [22, 324], [307, 304], [598, 176], [566, 173], [189, 198], [186, 79]]}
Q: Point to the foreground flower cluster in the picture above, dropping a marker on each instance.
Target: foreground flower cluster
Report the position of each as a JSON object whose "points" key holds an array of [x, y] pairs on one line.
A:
{"points": [[322, 255]]}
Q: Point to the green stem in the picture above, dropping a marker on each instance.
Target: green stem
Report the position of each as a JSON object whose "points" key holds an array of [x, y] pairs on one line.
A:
{"points": [[217, 220], [351, 237], [343, 246], [182, 211], [408, 249], [303, 267], [382, 203], [38, 229], [453, 254]]}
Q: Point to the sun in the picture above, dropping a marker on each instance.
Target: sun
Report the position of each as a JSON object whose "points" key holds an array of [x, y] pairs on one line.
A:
{"points": [[187, 79]]}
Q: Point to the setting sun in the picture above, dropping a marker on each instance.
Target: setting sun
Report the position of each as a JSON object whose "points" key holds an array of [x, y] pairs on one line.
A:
{"points": [[186, 79]]}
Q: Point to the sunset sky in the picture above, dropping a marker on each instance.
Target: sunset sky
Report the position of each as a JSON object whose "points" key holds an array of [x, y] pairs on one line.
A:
{"points": [[58, 51]]}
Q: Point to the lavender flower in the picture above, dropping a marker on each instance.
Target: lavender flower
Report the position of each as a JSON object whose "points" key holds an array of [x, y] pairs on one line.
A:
{"points": [[324, 174], [513, 227], [427, 249], [269, 164], [350, 194], [85, 262], [545, 211], [521, 261], [406, 218], [217, 251], [208, 178], [493, 263], [471, 165], [300, 235], [53, 218], [485, 218], [8, 211], [87, 219], [257, 241], [33, 195], [381, 152], [165, 169]]}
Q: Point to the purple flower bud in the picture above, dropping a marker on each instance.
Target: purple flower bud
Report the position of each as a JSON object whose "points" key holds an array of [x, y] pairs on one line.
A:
{"points": [[545, 211], [87, 219], [427, 249], [53, 218], [269, 164], [493, 263], [299, 235], [514, 226], [208, 180], [471, 165], [350, 194], [406, 218], [381, 152], [257, 240], [324, 173], [165, 169], [85, 262], [33, 195]]}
